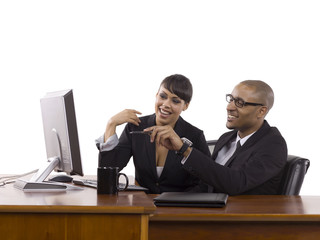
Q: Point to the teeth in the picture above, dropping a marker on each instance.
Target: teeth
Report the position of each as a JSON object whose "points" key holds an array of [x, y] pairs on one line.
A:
{"points": [[164, 112], [230, 116]]}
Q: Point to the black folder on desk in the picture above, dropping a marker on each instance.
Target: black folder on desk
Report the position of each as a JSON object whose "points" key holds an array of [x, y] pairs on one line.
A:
{"points": [[188, 199]]}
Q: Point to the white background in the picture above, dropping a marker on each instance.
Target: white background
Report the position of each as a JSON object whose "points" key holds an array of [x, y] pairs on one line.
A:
{"points": [[114, 54]]}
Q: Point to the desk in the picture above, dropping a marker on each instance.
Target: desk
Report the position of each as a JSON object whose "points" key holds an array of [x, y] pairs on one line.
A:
{"points": [[132, 215], [244, 217], [80, 214]]}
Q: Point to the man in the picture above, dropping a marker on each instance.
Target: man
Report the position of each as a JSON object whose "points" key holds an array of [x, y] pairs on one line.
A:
{"points": [[255, 166]]}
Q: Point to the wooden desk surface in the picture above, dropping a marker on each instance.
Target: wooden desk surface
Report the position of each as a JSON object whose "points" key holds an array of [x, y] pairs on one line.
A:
{"points": [[74, 201], [97, 216], [75, 214], [246, 208], [243, 218]]}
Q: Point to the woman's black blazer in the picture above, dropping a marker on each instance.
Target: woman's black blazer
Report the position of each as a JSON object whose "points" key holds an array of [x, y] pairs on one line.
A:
{"points": [[138, 146]]}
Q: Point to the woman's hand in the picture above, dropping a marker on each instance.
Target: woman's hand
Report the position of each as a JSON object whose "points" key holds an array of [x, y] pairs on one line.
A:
{"points": [[165, 136], [125, 116]]}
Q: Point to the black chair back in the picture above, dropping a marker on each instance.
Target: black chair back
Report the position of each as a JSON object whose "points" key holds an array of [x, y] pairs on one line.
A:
{"points": [[292, 176]]}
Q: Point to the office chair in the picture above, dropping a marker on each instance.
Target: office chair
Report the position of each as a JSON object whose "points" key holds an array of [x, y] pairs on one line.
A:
{"points": [[292, 175]]}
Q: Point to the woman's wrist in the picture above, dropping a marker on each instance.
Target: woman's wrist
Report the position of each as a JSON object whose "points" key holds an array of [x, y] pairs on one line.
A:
{"points": [[110, 130]]}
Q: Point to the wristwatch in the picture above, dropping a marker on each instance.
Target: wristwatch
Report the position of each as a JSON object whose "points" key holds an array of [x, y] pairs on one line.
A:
{"points": [[186, 143]]}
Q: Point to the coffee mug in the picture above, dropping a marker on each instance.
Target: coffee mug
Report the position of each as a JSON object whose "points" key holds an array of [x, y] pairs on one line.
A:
{"points": [[108, 180]]}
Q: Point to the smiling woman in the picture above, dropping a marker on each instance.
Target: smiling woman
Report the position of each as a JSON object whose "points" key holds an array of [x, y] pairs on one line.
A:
{"points": [[156, 168], [173, 97]]}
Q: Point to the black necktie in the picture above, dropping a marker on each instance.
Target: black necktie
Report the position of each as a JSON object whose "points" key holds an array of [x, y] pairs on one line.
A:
{"points": [[238, 145]]}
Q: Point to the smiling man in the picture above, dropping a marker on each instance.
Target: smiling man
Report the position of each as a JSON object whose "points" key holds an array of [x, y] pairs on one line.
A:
{"points": [[247, 160]]}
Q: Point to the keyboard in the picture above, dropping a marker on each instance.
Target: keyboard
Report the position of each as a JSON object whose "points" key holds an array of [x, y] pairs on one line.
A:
{"points": [[93, 183], [27, 186]]}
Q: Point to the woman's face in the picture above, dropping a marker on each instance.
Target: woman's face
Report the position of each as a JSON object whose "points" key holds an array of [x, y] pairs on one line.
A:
{"points": [[168, 107]]}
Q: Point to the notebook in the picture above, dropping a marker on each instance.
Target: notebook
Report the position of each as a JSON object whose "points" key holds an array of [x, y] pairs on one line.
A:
{"points": [[188, 199]]}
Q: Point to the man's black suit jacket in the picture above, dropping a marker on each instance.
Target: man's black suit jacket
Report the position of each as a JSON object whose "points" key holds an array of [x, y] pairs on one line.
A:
{"points": [[255, 169], [138, 146]]}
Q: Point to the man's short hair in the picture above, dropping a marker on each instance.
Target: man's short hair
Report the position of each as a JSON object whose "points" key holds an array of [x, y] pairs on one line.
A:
{"points": [[263, 90]]}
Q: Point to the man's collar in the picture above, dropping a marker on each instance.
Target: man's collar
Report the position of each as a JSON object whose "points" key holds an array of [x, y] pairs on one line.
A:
{"points": [[243, 140]]}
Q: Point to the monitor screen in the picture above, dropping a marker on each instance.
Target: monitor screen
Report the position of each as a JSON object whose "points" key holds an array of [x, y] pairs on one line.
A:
{"points": [[61, 140], [60, 131], [60, 134]]}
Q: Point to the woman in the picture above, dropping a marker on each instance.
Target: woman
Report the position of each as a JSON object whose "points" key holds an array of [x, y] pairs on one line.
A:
{"points": [[156, 168]]}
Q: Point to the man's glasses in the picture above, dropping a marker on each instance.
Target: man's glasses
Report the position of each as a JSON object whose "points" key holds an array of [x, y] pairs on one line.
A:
{"points": [[239, 102]]}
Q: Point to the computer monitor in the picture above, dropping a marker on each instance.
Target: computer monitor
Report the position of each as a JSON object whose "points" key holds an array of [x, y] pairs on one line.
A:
{"points": [[61, 138]]}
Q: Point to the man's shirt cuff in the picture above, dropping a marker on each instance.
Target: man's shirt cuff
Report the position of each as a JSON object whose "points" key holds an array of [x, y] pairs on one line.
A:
{"points": [[186, 158]]}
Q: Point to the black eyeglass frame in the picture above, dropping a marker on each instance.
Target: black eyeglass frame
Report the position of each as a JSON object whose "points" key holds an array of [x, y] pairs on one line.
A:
{"points": [[242, 103]]}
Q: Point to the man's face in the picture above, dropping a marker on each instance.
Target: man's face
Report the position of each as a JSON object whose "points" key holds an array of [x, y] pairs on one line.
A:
{"points": [[246, 119]]}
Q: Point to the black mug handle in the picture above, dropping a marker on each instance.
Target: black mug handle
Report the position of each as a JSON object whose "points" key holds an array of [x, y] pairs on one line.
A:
{"points": [[127, 182]]}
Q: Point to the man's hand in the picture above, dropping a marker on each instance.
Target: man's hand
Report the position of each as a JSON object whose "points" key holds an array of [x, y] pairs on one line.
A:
{"points": [[165, 136]]}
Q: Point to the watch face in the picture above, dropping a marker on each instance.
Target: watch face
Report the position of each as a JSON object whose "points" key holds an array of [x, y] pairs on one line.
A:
{"points": [[187, 141]]}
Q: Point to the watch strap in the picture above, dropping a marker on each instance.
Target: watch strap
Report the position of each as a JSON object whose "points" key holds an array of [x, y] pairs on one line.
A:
{"points": [[183, 148]]}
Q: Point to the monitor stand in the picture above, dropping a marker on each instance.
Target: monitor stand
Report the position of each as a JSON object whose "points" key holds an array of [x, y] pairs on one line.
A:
{"points": [[37, 184], [44, 172]]}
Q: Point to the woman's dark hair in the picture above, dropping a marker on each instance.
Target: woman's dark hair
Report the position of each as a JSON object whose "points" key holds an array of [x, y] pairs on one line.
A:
{"points": [[178, 85]]}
